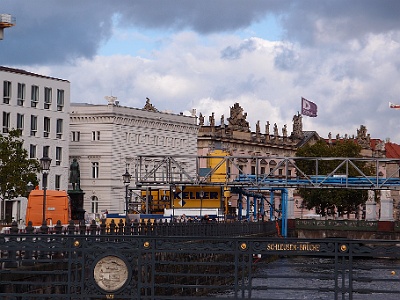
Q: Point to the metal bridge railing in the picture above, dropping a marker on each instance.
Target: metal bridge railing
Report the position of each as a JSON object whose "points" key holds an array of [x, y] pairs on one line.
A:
{"points": [[149, 228], [75, 266], [283, 172]]}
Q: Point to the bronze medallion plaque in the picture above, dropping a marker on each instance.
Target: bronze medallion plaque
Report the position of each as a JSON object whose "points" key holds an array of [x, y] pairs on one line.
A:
{"points": [[110, 273]]}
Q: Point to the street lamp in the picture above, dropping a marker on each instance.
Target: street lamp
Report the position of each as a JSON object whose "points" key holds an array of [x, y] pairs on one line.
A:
{"points": [[9, 194], [45, 166], [172, 199], [127, 181], [29, 188], [201, 194]]}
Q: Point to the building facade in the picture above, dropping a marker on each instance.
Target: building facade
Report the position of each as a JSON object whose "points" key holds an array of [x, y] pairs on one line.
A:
{"points": [[233, 135], [38, 106], [106, 140]]}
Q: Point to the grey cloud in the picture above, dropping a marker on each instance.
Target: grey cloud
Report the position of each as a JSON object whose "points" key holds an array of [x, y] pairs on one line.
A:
{"points": [[206, 16], [286, 59], [46, 32], [53, 32], [349, 69], [342, 19], [232, 53]]}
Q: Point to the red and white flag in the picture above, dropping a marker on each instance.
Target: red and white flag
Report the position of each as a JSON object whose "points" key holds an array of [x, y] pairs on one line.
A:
{"points": [[308, 108], [395, 106]]}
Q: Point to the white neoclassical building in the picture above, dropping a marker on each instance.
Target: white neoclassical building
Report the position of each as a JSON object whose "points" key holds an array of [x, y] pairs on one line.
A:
{"points": [[38, 105], [105, 139]]}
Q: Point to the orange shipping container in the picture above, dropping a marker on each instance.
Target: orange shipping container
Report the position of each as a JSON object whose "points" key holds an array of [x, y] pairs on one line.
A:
{"points": [[57, 207]]}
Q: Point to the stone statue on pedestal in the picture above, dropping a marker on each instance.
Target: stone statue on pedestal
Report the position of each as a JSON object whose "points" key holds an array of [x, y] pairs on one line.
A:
{"points": [[76, 195], [75, 175]]}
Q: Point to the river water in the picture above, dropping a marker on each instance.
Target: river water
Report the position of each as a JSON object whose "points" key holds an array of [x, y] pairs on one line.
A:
{"points": [[312, 278]]}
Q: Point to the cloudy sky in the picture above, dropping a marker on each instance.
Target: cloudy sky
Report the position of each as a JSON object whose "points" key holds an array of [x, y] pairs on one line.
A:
{"points": [[209, 54]]}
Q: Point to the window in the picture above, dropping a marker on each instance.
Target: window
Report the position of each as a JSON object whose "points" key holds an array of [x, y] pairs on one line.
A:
{"points": [[47, 97], [34, 95], [241, 169], [46, 151], [262, 170], [33, 125], [20, 122], [60, 100], [46, 126], [95, 135], [58, 156], [75, 136], [6, 122], [6, 92], [32, 151], [57, 182], [21, 94], [280, 172], [95, 204], [253, 170], [95, 170], [59, 128]]}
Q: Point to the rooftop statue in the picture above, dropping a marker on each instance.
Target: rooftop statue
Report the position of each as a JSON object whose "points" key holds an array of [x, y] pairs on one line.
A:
{"points": [[297, 126], [211, 119], [201, 119], [149, 107], [238, 118]]}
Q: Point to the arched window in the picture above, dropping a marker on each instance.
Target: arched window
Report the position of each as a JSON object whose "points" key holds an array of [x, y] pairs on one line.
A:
{"points": [[95, 204]]}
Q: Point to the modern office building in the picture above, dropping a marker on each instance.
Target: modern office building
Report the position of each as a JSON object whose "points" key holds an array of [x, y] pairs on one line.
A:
{"points": [[38, 105], [107, 139]]}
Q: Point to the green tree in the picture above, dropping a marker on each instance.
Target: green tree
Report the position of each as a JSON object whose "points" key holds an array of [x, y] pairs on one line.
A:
{"points": [[330, 201], [16, 168]]}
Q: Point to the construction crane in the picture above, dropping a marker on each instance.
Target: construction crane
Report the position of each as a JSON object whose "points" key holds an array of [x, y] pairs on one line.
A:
{"points": [[6, 20]]}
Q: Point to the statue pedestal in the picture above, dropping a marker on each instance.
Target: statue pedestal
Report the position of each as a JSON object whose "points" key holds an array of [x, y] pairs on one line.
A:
{"points": [[77, 211], [290, 204], [370, 211], [386, 210], [386, 206]]}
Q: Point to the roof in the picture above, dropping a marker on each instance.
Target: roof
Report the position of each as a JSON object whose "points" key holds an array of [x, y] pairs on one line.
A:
{"points": [[307, 136], [23, 72], [392, 150]]}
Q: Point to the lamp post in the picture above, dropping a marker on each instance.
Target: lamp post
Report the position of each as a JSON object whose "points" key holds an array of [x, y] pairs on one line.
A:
{"points": [[127, 181], [45, 166], [29, 189], [9, 194], [201, 194], [172, 198]]}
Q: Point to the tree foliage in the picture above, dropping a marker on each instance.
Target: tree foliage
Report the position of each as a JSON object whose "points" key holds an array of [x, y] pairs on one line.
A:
{"points": [[16, 168], [330, 201]]}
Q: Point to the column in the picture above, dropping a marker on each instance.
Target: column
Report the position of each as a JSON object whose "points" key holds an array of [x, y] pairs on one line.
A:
{"points": [[272, 206], [290, 204], [370, 207], [386, 206]]}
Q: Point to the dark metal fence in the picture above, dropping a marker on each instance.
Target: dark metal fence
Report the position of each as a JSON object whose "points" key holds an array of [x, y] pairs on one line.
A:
{"points": [[158, 228], [353, 225], [93, 262]]}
